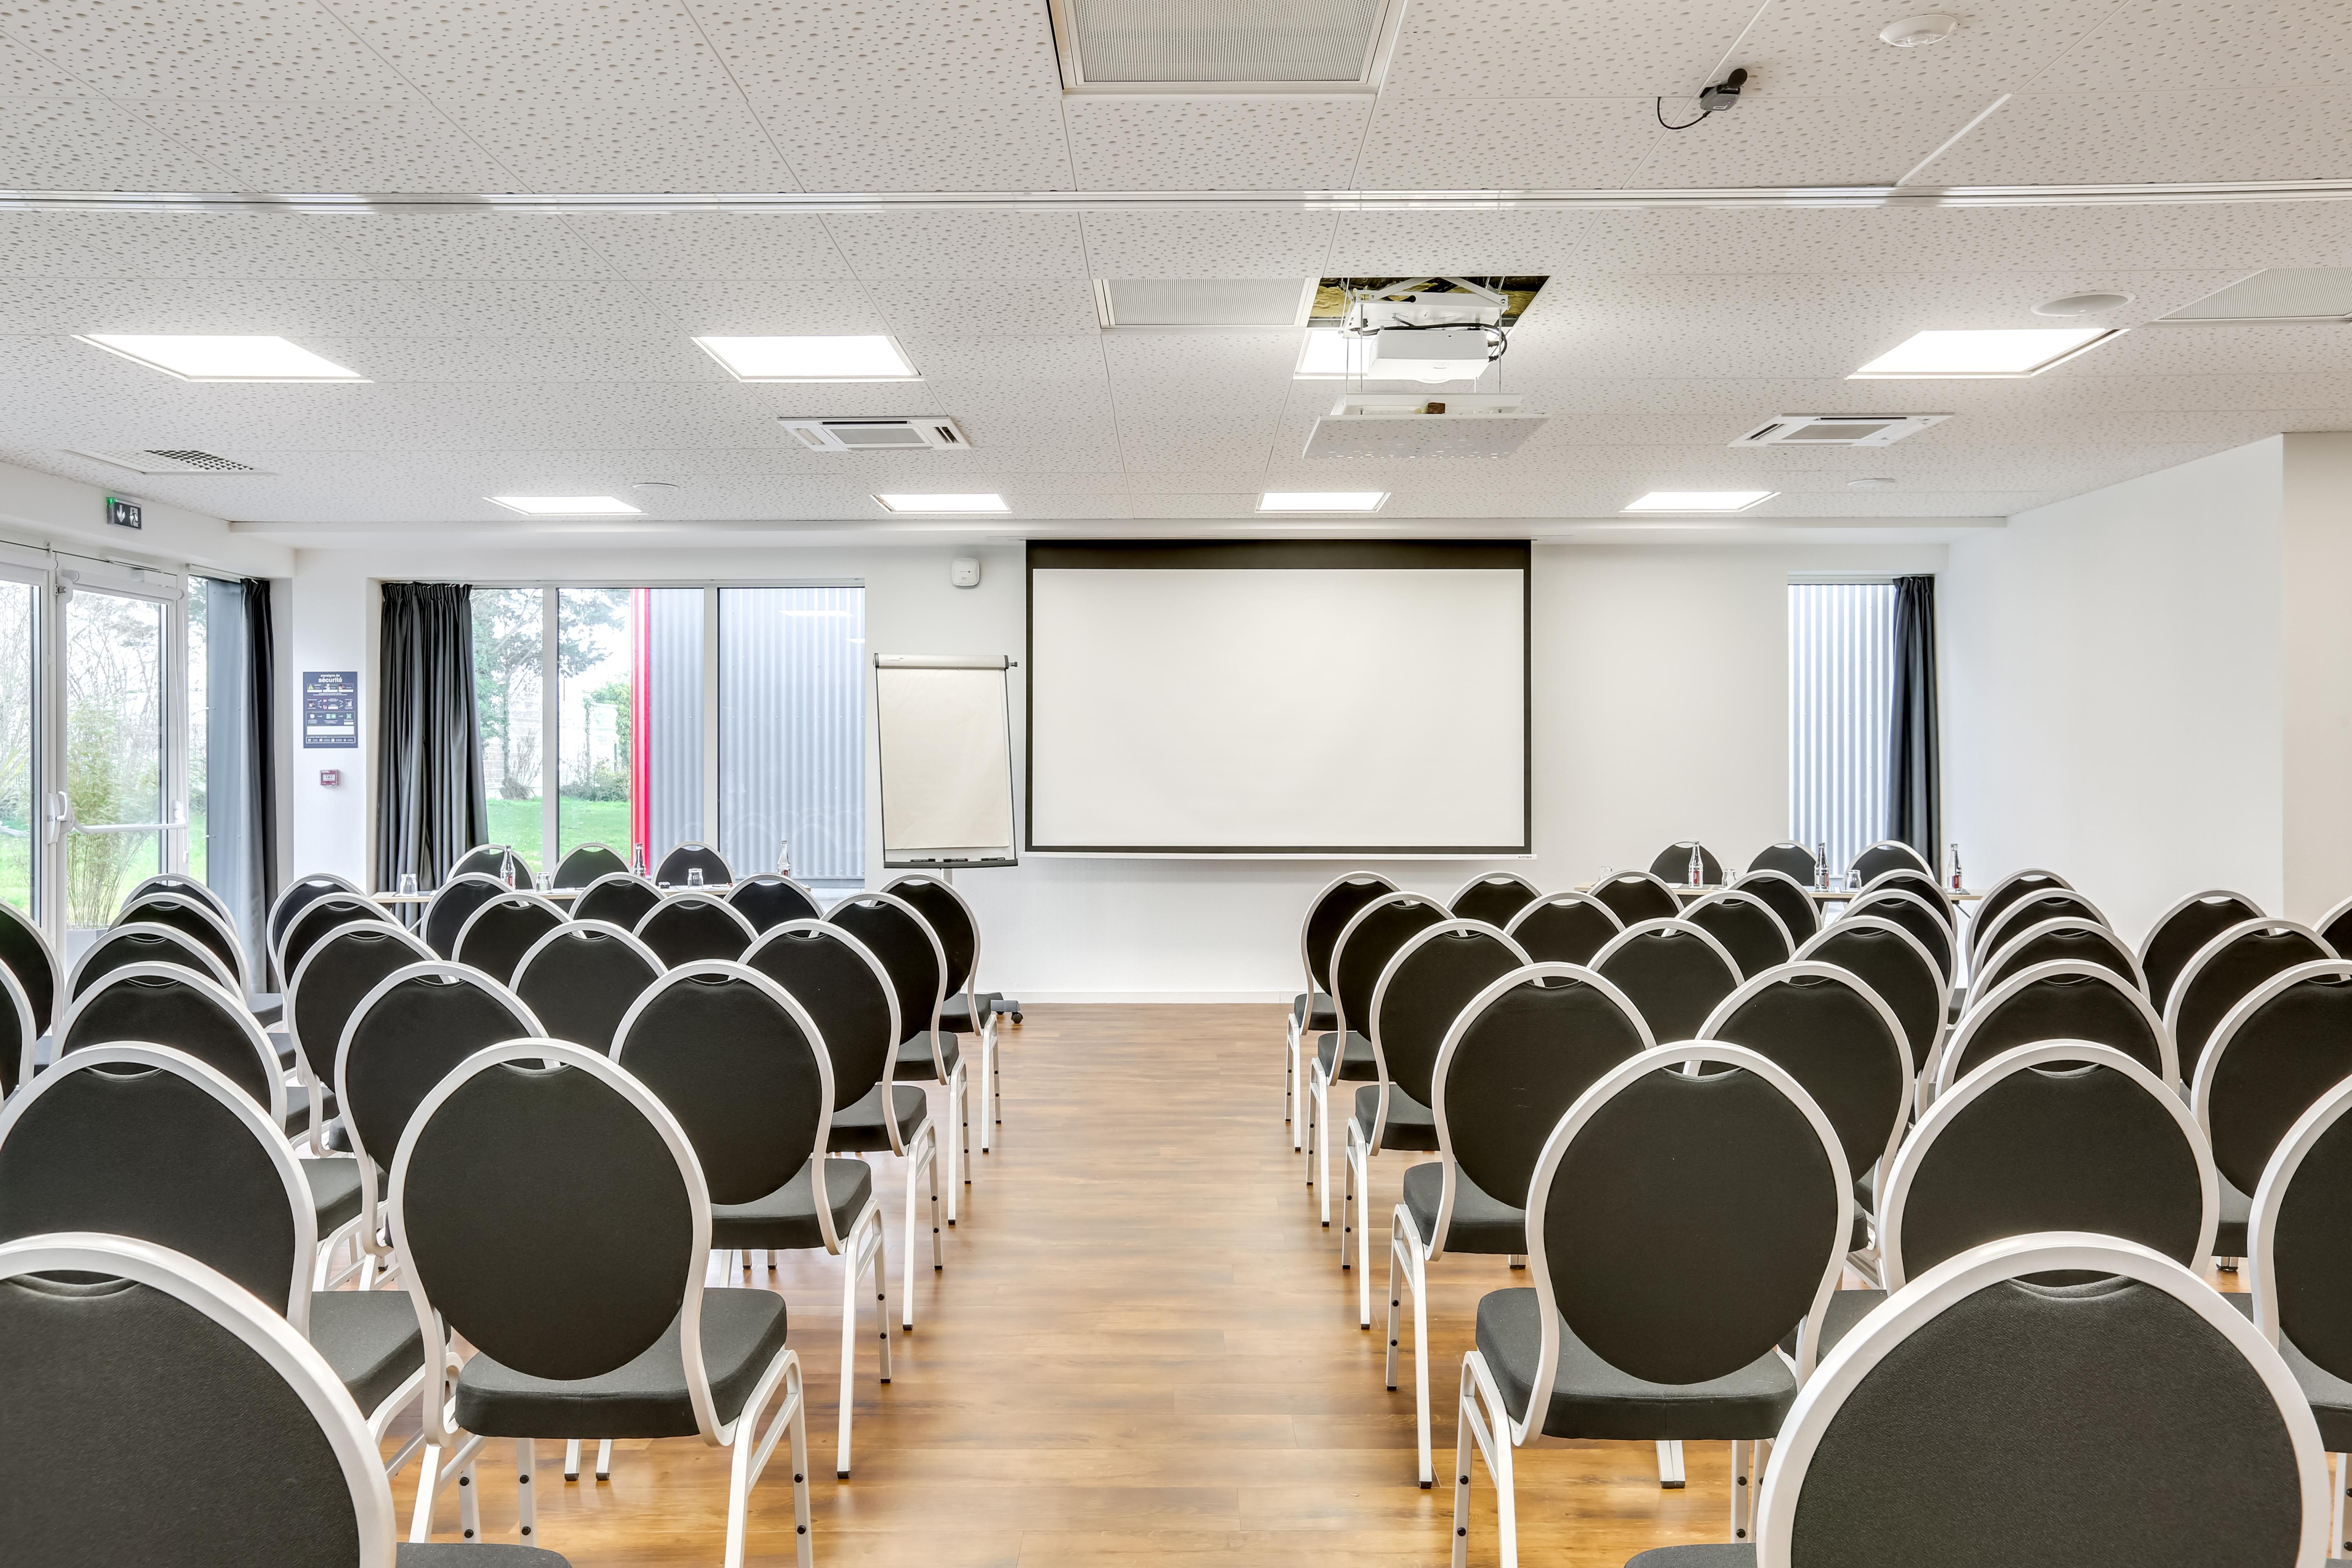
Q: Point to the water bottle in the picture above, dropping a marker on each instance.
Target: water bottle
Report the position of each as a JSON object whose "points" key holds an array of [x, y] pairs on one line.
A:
{"points": [[506, 869], [1697, 868], [694, 875], [636, 859], [1821, 865], [784, 856], [1956, 868]]}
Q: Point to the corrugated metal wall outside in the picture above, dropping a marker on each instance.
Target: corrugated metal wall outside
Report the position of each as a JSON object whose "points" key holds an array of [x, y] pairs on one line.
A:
{"points": [[792, 730], [1840, 711], [674, 660]]}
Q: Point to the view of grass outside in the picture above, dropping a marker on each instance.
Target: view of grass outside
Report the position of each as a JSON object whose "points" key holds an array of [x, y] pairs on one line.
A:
{"points": [[18, 826], [114, 748], [594, 739]]}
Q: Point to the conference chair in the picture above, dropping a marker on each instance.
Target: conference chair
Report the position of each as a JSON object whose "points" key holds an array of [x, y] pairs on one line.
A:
{"points": [[491, 860], [145, 1141], [17, 1034], [297, 896], [25, 952], [2278, 1051], [196, 918], [585, 864], [617, 897], [693, 856], [1432, 976], [1791, 900], [1659, 1189], [173, 882], [1746, 926], [496, 934], [322, 993], [554, 1217], [316, 922], [1886, 855], [966, 1010], [2063, 999], [1905, 907], [117, 947], [695, 927], [453, 904], [1564, 927], [2224, 972], [2215, 1460], [2182, 930], [2007, 891], [581, 979], [1493, 897], [768, 901], [1672, 972], [1637, 896], [849, 995], [1911, 879], [2335, 927], [912, 955], [2067, 937], [744, 1069], [1512, 1063], [2297, 1262], [1789, 858], [1672, 864], [1359, 957], [1311, 1010], [1890, 961], [2023, 914], [259, 1455]]}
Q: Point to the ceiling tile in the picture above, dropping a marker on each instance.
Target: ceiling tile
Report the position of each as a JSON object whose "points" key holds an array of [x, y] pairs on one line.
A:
{"points": [[266, 49], [563, 144], [471, 55], [300, 144], [88, 144], [25, 74], [954, 306], [1215, 144], [708, 308], [1541, 49], [961, 244], [1824, 48], [2164, 46], [1776, 139], [884, 143], [2162, 137], [765, 246], [1386, 244], [1237, 243], [1515, 144]]}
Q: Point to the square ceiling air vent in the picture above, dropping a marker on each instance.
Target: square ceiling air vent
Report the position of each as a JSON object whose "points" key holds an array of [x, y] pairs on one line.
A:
{"points": [[170, 460], [1225, 46], [1838, 429], [929, 432], [1204, 304], [2321, 294]]}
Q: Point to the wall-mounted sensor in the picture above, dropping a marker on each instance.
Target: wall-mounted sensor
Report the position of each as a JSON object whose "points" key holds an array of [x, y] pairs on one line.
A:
{"points": [[965, 571]]}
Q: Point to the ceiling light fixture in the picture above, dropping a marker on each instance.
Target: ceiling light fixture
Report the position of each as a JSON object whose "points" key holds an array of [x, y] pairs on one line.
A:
{"points": [[1330, 354], [1322, 500], [871, 356], [944, 503], [1917, 32], [198, 357], [568, 506], [2002, 353], [1700, 500]]}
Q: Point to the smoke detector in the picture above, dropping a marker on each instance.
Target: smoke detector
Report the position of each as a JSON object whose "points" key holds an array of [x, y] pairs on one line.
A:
{"points": [[1917, 32], [2082, 304], [1837, 429]]}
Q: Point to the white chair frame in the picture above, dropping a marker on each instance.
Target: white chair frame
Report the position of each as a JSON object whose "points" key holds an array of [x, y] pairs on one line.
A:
{"points": [[1942, 1067], [2262, 1249], [1993, 972], [2023, 916], [540, 901], [293, 982], [958, 1082], [1293, 1026], [1735, 896], [172, 897], [2206, 954], [213, 969], [20, 1007], [1846, 925], [1318, 1088], [984, 1031]]}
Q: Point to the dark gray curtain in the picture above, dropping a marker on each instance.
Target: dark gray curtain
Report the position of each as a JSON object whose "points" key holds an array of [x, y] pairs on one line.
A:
{"points": [[430, 804], [261, 754], [239, 759], [1915, 807]]}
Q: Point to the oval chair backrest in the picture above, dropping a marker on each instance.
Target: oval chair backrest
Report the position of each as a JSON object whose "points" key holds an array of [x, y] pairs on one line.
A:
{"points": [[2182, 932], [118, 947], [454, 905], [496, 935], [320, 917], [951, 919], [1789, 858], [1746, 926], [332, 977], [1564, 927], [1672, 864], [2068, 937], [188, 886], [695, 927], [1790, 900], [908, 951], [685, 857], [1637, 896], [1517, 1057], [616, 898], [167, 1004], [1887, 855], [2005, 892], [490, 860], [581, 979], [1672, 972], [2221, 1433], [2224, 972], [768, 900], [17, 1033], [1494, 898], [846, 993], [1366, 944], [1911, 879], [741, 1066], [2064, 999], [196, 918], [533, 1158], [1833, 1034], [585, 864], [2023, 914], [2277, 1052], [1890, 961], [28, 955], [1423, 989], [2299, 1236], [1659, 1185], [1903, 906], [407, 1033], [138, 1139], [299, 895], [2058, 1135], [1328, 915]]}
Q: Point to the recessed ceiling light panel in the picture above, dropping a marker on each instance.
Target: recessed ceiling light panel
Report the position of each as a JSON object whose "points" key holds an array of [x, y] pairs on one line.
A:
{"points": [[843, 356], [1322, 500], [201, 357], [1986, 354], [568, 506], [1700, 500], [944, 503], [2277, 294]]}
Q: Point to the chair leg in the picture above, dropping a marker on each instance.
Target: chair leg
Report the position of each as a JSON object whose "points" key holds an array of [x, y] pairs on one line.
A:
{"points": [[2343, 1485], [991, 1118], [526, 1499], [1670, 1464], [881, 1269], [604, 1458], [1364, 1240], [571, 1458], [429, 1473], [469, 1504], [848, 1362], [1347, 1194], [1323, 1145], [1493, 1438], [751, 1447], [1742, 1494]]}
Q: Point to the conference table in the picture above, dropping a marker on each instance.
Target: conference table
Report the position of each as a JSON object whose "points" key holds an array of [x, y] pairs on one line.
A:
{"points": [[1687, 891], [556, 895]]}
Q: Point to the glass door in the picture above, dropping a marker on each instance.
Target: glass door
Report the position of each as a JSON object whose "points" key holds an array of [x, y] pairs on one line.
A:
{"points": [[21, 593]]}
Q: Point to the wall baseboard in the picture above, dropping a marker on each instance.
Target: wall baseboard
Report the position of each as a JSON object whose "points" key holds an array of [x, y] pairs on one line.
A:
{"points": [[1155, 996]]}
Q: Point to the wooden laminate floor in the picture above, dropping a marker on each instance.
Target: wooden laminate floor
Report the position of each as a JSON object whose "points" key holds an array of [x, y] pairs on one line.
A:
{"points": [[1142, 1350]]}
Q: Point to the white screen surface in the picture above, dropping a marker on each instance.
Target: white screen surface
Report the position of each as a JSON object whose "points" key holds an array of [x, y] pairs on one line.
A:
{"points": [[946, 763], [1278, 709]]}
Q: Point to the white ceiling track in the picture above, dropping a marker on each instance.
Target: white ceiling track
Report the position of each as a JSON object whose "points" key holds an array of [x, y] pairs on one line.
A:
{"points": [[443, 203]]}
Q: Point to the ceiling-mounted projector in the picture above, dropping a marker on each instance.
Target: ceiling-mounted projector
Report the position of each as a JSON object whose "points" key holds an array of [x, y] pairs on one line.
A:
{"points": [[1412, 333]]}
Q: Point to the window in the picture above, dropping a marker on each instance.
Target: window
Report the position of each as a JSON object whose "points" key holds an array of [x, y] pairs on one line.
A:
{"points": [[1841, 714], [19, 723], [791, 730], [117, 733], [223, 753]]}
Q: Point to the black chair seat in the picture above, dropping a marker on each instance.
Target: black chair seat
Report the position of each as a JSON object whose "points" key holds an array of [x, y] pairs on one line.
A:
{"points": [[785, 1219], [468, 1554], [334, 1191], [1846, 1308], [955, 1018], [2330, 1397], [370, 1338], [1412, 1126], [2229, 1235], [297, 1106], [858, 1128], [283, 1044], [914, 1057], [1360, 1064], [1592, 1399], [1706, 1555], [268, 1008], [742, 1330], [1482, 1222], [1311, 1015]]}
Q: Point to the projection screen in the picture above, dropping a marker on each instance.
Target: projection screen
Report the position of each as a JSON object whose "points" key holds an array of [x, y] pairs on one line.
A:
{"points": [[1315, 697]]}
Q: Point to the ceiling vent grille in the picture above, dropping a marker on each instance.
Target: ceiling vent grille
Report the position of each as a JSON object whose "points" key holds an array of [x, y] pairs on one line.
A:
{"points": [[929, 432], [1225, 46], [1838, 429], [170, 460]]}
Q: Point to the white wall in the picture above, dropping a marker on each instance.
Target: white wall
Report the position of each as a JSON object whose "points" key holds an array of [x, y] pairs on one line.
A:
{"points": [[2317, 672], [1660, 691]]}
